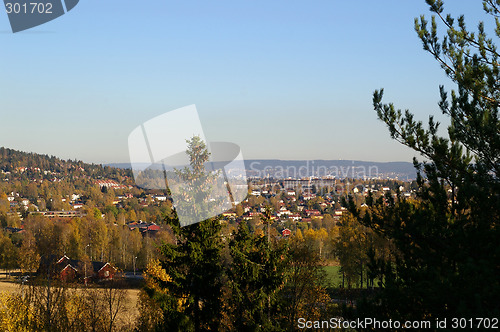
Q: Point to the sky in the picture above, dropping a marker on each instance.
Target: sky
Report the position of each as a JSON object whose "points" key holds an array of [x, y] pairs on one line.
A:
{"points": [[282, 79]]}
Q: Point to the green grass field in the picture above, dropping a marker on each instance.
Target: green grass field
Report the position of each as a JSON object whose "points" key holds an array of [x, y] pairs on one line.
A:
{"points": [[333, 276]]}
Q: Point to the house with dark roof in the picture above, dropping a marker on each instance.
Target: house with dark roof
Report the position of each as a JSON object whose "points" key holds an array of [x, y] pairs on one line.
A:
{"points": [[144, 228]]}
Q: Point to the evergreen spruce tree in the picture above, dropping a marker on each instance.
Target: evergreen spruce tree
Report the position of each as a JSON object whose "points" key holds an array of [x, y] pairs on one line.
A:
{"points": [[256, 275], [447, 258], [192, 293]]}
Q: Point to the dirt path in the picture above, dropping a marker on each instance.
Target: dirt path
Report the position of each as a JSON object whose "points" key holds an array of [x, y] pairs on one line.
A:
{"points": [[7, 285]]}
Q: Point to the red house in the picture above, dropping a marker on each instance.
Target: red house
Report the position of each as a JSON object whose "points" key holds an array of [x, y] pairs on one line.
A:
{"points": [[68, 273], [144, 228], [103, 271], [313, 213], [286, 232]]}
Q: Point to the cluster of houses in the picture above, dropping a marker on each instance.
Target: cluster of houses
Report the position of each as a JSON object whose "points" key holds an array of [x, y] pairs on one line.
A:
{"points": [[72, 270], [145, 228], [300, 192], [17, 202], [49, 175], [111, 184], [284, 213]]}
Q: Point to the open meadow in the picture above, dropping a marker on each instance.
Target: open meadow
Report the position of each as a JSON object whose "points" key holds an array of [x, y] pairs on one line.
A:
{"points": [[127, 316]]}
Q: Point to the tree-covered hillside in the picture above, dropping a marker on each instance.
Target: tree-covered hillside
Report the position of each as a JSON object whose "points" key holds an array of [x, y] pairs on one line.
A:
{"points": [[40, 166]]}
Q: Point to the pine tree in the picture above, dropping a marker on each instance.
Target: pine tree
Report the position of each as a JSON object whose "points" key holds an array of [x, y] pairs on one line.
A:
{"points": [[446, 262]]}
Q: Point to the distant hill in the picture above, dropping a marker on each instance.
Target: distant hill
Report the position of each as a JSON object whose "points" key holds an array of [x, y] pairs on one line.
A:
{"points": [[306, 168], [34, 165], [51, 167]]}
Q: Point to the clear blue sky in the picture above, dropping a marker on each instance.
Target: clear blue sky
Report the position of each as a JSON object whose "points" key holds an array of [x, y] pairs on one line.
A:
{"points": [[283, 79]]}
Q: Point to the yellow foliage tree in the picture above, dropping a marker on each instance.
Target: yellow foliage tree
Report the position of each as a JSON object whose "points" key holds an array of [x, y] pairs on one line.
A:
{"points": [[16, 314]]}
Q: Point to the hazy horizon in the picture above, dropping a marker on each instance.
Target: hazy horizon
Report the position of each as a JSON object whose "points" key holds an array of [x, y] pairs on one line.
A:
{"points": [[246, 159]]}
